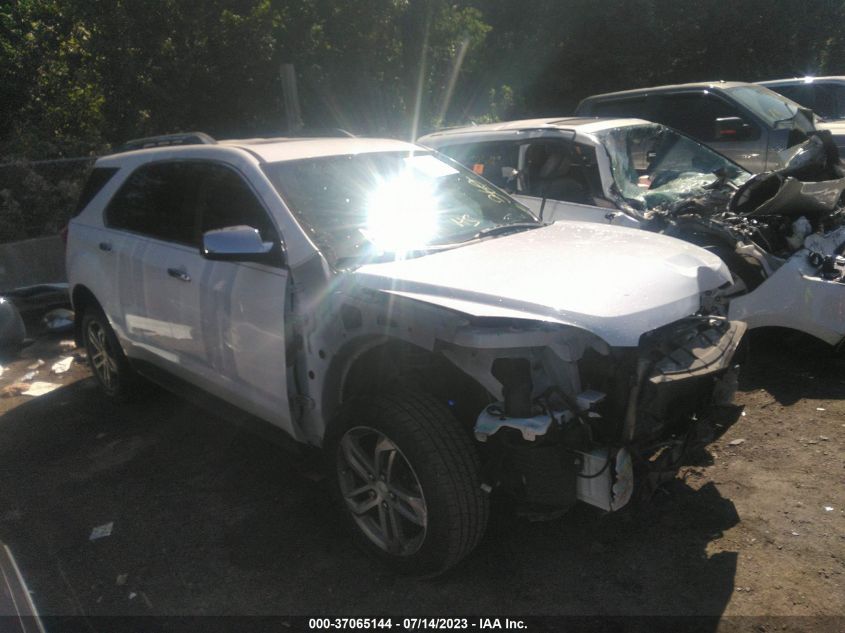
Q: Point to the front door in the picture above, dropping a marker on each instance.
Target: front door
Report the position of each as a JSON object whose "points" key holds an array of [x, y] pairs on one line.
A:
{"points": [[241, 307]]}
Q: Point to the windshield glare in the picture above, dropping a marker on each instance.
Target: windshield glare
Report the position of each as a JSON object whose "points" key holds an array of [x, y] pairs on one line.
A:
{"points": [[765, 103], [365, 206], [655, 166]]}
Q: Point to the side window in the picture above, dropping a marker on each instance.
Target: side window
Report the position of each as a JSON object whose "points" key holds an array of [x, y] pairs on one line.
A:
{"points": [[561, 171], [225, 199], [696, 115], [97, 179], [487, 159], [153, 202], [802, 93], [634, 108], [830, 101]]}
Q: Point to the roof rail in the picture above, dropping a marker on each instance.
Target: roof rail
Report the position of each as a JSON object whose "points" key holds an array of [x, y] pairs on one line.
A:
{"points": [[166, 140], [321, 132]]}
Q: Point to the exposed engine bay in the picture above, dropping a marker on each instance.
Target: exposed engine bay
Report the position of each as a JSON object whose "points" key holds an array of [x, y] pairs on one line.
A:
{"points": [[765, 220], [584, 429]]}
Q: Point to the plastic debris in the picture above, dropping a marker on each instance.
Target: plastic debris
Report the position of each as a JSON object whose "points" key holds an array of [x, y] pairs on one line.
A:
{"points": [[36, 364], [743, 414], [121, 580], [736, 442], [795, 534], [59, 320], [101, 531], [2, 369], [67, 345], [828, 508], [62, 366], [29, 376], [15, 389], [824, 438], [39, 388], [132, 595], [820, 409]]}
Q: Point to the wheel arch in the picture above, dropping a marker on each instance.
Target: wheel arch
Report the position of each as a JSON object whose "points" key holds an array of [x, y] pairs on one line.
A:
{"points": [[81, 298], [368, 364]]}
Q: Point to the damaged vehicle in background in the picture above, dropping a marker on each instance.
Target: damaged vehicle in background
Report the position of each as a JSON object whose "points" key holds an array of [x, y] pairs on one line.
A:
{"points": [[396, 310], [781, 233]]}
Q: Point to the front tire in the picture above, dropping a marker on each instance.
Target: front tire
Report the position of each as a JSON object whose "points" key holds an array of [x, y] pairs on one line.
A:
{"points": [[407, 479]]}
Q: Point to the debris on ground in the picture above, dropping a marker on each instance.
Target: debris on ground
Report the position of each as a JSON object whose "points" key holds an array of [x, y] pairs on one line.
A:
{"points": [[39, 388], [61, 366], [29, 376], [828, 508], [59, 320], [121, 580], [737, 442], [36, 364], [101, 531], [15, 389], [67, 346]]}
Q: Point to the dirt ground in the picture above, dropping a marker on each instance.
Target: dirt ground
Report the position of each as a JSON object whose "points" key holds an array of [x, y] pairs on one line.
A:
{"points": [[210, 519]]}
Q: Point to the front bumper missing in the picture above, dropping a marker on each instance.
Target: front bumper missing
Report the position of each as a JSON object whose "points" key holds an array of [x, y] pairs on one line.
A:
{"points": [[681, 372]]}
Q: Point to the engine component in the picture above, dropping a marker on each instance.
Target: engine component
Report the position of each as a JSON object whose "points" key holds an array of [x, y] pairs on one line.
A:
{"points": [[515, 376]]}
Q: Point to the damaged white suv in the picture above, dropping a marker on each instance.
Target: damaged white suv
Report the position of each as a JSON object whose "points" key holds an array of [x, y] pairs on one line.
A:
{"points": [[423, 328]]}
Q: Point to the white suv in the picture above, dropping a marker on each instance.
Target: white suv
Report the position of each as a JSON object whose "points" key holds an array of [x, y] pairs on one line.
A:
{"points": [[392, 308]]}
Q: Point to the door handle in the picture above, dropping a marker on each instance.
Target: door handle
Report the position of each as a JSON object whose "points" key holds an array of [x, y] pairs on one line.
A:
{"points": [[105, 246], [179, 273]]}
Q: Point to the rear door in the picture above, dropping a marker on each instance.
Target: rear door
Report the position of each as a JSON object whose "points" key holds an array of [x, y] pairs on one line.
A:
{"points": [[155, 230]]}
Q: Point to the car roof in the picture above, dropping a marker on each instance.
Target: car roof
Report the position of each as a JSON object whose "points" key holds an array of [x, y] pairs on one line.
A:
{"points": [[699, 85], [585, 125], [268, 150], [792, 81]]}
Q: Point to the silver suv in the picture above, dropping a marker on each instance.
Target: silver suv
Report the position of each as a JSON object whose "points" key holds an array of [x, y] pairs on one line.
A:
{"points": [[397, 311], [748, 123]]}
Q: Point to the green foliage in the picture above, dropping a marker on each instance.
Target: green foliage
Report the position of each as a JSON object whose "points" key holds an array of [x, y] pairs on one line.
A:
{"points": [[78, 76]]}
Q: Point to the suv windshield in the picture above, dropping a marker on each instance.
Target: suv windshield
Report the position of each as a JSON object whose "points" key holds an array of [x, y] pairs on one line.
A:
{"points": [[364, 206], [768, 105], [654, 166]]}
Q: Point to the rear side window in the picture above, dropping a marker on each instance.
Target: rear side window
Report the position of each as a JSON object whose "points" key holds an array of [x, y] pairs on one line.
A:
{"points": [[97, 179], [621, 108], [154, 201], [224, 199], [487, 159]]}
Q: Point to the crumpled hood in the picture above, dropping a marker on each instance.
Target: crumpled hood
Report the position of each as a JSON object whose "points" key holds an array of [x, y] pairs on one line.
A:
{"points": [[614, 282]]}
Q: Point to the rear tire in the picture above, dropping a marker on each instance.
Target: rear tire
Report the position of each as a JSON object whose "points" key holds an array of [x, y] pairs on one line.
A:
{"points": [[407, 479], [106, 359]]}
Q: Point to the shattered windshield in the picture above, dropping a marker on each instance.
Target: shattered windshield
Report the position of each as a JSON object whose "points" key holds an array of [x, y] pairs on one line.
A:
{"points": [[654, 166], [365, 206]]}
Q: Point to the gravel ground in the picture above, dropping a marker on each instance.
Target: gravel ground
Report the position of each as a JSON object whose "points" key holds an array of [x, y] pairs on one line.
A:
{"points": [[210, 519]]}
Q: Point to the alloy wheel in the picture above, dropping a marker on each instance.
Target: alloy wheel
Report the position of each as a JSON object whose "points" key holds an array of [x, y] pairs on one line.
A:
{"points": [[382, 491], [103, 359]]}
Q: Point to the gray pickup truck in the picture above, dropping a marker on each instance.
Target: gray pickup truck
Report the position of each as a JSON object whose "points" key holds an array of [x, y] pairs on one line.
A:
{"points": [[748, 123]]}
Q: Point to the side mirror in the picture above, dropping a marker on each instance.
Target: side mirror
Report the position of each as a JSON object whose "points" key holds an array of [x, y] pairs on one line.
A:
{"points": [[732, 128], [236, 244]]}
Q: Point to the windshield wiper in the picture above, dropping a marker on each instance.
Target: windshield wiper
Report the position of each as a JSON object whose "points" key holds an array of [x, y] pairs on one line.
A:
{"points": [[501, 229]]}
